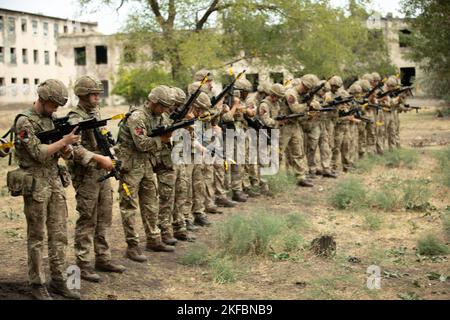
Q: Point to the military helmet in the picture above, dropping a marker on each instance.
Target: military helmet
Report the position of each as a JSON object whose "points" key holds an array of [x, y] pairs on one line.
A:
{"points": [[309, 80], [376, 76], [391, 81], [355, 89], [336, 81], [203, 102], [53, 90], [162, 95], [86, 85], [194, 86], [264, 87], [367, 76], [278, 90], [365, 85], [178, 95], [199, 75], [243, 85]]}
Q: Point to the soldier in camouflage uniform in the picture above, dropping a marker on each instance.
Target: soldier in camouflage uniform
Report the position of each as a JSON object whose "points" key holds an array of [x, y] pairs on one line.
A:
{"points": [[181, 209], [370, 113], [210, 169], [326, 136], [195, 170], [390, 106], [140, 154], [42, 189], [235, 119], [292, 131], [342, 137], [250, 170], [380, 122], [94, 199]]}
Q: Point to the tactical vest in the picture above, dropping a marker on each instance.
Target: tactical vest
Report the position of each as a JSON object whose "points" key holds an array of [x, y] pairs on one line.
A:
{"points": [[39, 123]]}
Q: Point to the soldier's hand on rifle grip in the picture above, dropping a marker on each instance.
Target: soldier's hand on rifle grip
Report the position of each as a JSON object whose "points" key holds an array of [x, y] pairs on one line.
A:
{"points": [[71, 138], [190, 116], [104, 162], [166, 138]]}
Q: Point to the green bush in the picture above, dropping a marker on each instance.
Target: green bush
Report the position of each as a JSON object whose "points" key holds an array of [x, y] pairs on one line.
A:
{"points": [[259, 233], [429, 245], [281, 182], [223, 270], [348, 194], [195, 256], [135, 84], [373, 221], [388, 197], [367, 163], [401, 158], [416, 194], [446, 221], [240, 235], [444, 166]]}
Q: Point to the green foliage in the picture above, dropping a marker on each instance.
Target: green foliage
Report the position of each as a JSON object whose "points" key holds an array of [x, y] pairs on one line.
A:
{"points": [[304, 36], [367, 163], [444, 166], [430, 45], [401, 158], [389, 196], [416, 194], [240, 235], [259, 233], [373, 221], [197, 255], [429, 245], [281, 182], [135, 84], [348, 194], [446, 221], [223, 270]]}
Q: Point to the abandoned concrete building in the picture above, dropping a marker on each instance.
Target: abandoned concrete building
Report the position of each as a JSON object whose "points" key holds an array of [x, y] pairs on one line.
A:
{"points": [[34, 47]]}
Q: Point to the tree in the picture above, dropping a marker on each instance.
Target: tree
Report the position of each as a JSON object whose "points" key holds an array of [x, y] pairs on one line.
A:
{"points": [[430, 25], [301, 35]]}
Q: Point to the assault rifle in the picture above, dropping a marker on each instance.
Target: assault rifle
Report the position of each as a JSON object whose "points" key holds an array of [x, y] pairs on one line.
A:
{"points": [[181, 112], [106, 142], [64, 127], [162, 130], [227, 90], [394, 92]]}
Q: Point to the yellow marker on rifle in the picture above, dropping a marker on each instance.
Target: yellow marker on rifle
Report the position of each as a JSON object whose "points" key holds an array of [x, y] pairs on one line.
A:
{"points": [[230, 71], [204, 80], [379, 123], [225, 165], [7, 145], [118, 116], [287, 82], [125, 188]]}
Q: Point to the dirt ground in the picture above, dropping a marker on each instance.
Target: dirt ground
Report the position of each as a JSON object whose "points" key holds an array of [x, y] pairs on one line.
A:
{"points": [[310, 277]]}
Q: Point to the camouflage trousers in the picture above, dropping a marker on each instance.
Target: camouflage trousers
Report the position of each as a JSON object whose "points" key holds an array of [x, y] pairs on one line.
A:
{"points": [[197, 188], [341, 149], [371, 129], [354, 141], [45, 208], [292, 135], [362, 138], [181, 210], [219, 180], [209, 185], [390, 126], [166, 189], [311, 130], [324, 145], [94, 208], [397, 128], [380, 132], [142, 184]]}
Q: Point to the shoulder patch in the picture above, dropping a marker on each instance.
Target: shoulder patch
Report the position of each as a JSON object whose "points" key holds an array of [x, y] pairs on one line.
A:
{"points": [[23, 135]]}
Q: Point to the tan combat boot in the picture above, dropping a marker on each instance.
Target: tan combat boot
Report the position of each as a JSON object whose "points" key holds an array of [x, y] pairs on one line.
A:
{"points": [[134, 253]]}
